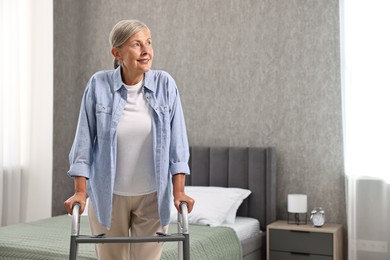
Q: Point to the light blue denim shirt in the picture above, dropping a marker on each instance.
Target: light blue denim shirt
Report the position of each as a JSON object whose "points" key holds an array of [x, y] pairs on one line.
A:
{"points": [[94, 151]]}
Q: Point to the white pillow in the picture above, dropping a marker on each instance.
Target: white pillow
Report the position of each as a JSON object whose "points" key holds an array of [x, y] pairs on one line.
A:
{"points": [[214, 206]]}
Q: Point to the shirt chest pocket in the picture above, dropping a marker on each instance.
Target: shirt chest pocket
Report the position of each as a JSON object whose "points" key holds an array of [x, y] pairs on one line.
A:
{"points": [[164, 110], [163, 113], [103, 121]]}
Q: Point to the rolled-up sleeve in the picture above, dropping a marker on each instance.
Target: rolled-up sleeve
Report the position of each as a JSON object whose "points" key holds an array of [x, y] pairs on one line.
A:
{"points": [[80, 156]]}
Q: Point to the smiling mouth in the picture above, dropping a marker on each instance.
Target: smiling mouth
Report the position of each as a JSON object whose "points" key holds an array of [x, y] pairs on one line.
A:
{"points": [[144, 61]]}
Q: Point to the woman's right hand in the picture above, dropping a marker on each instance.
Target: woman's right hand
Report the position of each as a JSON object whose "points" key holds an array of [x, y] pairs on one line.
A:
{"points": [[78, 197]]}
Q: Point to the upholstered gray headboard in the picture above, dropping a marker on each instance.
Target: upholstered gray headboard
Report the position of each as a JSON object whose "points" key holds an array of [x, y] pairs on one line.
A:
{"points": [[252, 168]]}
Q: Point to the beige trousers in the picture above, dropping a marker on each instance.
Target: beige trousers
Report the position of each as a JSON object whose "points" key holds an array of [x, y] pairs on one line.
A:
{"points": [[131, 216]]}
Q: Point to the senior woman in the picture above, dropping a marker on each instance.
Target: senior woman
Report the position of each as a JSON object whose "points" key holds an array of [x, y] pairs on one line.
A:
{"points": [[130, 152]]}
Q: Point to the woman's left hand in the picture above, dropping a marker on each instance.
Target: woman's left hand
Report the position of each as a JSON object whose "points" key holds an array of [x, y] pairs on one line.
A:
{"points": [[180, 197]]}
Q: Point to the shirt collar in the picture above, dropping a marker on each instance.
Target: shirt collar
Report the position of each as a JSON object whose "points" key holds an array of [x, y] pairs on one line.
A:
{"points": [[148, 81], [118, 83]]}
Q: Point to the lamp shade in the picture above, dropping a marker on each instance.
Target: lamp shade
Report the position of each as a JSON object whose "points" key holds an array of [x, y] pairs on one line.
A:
{"points": [[297, 203]]}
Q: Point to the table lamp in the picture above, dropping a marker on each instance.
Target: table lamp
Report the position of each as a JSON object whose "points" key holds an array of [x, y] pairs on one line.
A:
{"points": [[297, 209]]}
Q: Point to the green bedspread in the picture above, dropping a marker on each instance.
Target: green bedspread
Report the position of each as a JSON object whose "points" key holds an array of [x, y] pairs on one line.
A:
{"points": [[49, 239]]}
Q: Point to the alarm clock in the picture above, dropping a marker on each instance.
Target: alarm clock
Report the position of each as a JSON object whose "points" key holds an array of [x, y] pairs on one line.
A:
{"points": [[317, 217]]}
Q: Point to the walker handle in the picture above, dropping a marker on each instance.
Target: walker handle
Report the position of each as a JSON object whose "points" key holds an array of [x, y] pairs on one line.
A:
{"points": [[183, 218], [75, 219]]}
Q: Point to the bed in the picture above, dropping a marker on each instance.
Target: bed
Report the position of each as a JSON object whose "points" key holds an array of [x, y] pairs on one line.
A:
{"points": [[252, 168]]}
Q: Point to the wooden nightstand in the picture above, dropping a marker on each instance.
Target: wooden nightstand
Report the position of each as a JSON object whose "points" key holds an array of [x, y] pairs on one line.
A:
{"points": [[306, 242]]}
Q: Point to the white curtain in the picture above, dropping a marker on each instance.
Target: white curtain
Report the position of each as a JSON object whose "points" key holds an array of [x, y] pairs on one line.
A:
{"points": [[26, 110], [365, 52]]}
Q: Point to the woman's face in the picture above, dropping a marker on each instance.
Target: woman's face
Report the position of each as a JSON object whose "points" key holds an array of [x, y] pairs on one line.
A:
{"points": [[135, 56]]}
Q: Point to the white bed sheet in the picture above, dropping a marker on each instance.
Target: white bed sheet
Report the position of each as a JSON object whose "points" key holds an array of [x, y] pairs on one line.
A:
{"points": [[245, 227]]}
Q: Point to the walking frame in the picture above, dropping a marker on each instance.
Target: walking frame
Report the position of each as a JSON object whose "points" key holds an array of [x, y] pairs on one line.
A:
{"points": [[182, 237]]}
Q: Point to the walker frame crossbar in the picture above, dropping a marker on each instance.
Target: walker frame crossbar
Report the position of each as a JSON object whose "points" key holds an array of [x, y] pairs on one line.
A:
{"points": [[182, 237]]}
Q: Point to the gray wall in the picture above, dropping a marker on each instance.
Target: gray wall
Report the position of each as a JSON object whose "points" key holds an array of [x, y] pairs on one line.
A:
{"points": [[251, 73]]}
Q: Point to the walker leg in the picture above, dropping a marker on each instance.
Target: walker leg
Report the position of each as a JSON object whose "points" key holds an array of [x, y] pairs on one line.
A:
{"points": [[186, 247], [73, 248]]}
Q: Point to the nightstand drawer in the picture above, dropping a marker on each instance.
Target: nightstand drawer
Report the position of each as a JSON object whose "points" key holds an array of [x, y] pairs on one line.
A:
{"points": [[275, 255], [301, 242]]}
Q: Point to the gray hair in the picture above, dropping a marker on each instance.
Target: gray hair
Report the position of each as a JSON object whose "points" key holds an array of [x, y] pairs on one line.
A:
{"points": [[122, 31]]}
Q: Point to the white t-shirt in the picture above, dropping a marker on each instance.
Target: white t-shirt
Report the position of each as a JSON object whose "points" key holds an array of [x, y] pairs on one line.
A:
{"points": [[135, 165]]}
